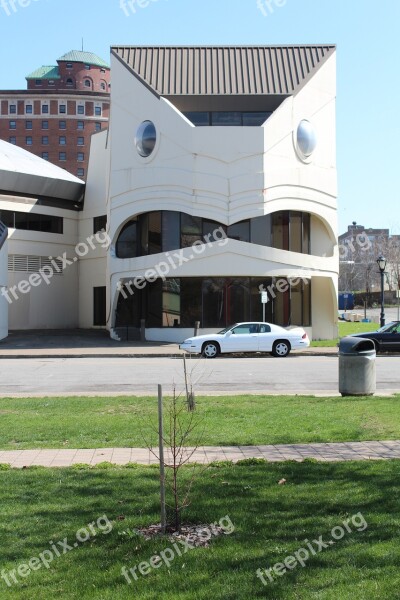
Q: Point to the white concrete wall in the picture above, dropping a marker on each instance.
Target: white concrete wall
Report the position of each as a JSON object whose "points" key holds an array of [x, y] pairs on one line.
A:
{"points": [[3, 287], [93, 266]]}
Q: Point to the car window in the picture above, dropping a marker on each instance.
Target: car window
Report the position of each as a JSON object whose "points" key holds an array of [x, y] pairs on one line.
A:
{"points": [[397, 328], [265, 328], [245, 329]]}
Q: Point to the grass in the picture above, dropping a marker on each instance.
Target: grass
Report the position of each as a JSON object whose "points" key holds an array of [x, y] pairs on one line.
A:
{"points": [[240, 420], [271, 522], [346, 328]]}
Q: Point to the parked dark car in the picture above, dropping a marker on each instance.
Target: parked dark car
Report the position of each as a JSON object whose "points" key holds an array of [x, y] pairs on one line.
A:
{"points": [[386, 339]]}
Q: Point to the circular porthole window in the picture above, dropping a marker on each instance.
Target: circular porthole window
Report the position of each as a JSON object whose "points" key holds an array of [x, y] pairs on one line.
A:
{"points": [[145, 139], [306, 139]]}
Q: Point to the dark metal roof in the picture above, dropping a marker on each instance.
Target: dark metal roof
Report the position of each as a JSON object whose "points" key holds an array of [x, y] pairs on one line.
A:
{"points": [[224, 70]]}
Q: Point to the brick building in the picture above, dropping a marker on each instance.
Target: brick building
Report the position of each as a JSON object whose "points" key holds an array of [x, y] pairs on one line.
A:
{"points": [[59, 111]]}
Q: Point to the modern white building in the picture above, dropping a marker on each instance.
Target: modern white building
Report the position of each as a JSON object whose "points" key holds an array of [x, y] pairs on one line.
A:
{"points": [[215, 181], [238, 140]]}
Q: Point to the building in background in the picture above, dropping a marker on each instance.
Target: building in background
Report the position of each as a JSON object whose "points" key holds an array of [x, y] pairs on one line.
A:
{"points": [[61, 108], [359, 248]]}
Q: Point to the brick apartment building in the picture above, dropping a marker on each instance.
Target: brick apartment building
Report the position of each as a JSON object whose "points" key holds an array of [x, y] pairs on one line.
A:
{"points": [[59, 111]]}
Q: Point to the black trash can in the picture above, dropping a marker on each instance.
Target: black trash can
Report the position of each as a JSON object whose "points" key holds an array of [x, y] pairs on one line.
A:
{"points": [[357, 369]]}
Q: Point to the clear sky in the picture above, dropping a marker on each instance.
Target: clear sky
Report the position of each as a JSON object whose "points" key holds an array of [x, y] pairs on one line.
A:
{"points": [[37, 32]]}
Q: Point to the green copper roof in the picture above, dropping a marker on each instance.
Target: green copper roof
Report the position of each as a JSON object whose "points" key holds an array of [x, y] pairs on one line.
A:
{"points": [[45, 73], [84, 57]]}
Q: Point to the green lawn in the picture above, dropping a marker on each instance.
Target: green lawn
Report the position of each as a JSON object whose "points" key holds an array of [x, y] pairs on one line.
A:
{"points": [[346, 328], [271, 522], [225, 420]]}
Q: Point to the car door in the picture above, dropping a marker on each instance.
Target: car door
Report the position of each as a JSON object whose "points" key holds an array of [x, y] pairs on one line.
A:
{"points": [[242, 338], [266, 338], [391, 338]]}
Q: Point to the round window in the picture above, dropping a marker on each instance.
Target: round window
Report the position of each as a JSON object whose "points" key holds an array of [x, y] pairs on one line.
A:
{"points": [[145, 139], [306, 139]]}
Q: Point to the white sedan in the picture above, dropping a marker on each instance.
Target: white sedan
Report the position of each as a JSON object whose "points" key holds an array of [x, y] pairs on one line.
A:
{"points": [[248, 337]]}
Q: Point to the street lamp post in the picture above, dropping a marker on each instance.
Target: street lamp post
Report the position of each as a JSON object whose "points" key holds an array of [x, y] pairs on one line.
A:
{"points": [[382, 265]]}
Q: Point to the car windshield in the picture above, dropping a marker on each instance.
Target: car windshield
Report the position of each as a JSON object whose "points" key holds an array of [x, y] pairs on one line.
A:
{"points": [[227, 328], [387, 327]]}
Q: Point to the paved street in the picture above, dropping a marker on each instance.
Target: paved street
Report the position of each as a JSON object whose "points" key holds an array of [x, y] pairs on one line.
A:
{"points": [[140, 376]]}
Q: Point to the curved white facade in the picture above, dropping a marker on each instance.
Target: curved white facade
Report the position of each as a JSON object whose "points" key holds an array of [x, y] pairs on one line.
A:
{"points": [[228, 175]]}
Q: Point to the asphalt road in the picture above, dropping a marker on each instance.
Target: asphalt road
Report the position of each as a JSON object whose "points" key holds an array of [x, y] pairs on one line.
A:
{"points": [[140, 376]]}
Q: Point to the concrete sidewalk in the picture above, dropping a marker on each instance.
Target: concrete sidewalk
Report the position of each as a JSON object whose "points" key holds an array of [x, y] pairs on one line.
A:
{"points": [[327, 452], [97, 343]]}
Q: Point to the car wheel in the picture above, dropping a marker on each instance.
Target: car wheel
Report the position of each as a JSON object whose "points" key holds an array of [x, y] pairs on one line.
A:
{"points": [[281, 348], [210, 350]]}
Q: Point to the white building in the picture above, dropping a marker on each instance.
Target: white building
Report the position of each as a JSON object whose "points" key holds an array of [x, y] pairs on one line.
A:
{"points": [[217, 179], [238, 138]]}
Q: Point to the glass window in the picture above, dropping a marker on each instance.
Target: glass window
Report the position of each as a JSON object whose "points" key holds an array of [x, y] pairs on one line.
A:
{"points": [[62, 156], [191, 230], [191, 302], [87, 67], [70, 82], [99, 223], [69, 65], [245, 329], [21, 220], [209, 228], [306, 248], [62, 140], [12, 109], [88, 83], [126, 246], [214, 301], [280, 230], [45, 155], [99, 306], [97, 127], [13, 124], [38, 82], [80, 125], [28, 109], [45, 124], [97, 111], [145, 139], [231, 119], [51, 81], [103, 86], [171, 303], [81, 141], [45, 109], [261, 230], [7, 217], [255, 119], [62, 124], [200, 119], [81, 109], [171, 226], [154, 304], [80, 156], [295, 231], [154, 224], [12, 140], [281, 305], [28, 140], [80, 172], [62, 108], [45, 140], [239, 231]]}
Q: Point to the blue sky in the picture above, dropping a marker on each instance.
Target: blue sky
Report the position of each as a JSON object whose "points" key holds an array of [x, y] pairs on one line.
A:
{"points": [[366, 32]]}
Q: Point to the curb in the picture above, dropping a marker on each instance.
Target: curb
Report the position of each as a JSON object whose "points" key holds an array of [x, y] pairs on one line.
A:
{"points": [[144, 355]]}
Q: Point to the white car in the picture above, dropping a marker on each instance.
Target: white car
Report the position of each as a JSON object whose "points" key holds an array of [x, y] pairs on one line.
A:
{"points": [[248, 337]]}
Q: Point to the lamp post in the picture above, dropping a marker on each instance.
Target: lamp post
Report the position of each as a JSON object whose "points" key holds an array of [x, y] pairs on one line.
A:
{"points": [[382, 265]]}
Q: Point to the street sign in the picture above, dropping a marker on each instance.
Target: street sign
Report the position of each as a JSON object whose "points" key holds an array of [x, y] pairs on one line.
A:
{"points": [[264, 297]]}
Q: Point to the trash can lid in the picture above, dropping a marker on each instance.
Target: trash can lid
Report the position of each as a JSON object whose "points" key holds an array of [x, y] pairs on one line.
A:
{"points": [[356, 345]]}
